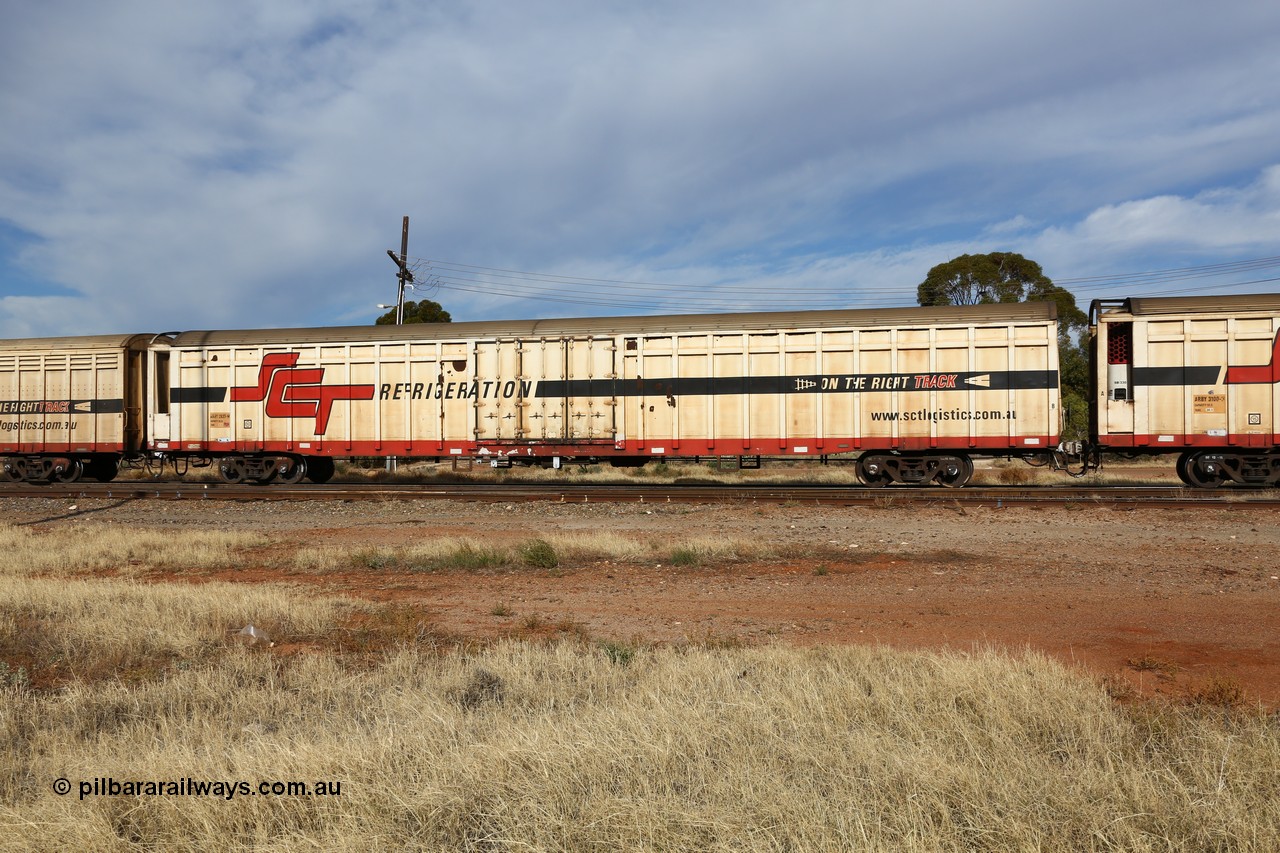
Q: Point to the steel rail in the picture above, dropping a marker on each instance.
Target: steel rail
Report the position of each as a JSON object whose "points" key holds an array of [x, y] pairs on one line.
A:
{"points": [[1164, 496]]}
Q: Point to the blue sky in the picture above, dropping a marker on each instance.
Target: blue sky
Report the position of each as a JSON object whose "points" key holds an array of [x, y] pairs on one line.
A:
{"points": [[234, 165]]}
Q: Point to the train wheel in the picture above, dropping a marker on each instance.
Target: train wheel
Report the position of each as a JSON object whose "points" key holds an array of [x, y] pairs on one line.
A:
{"points": [[231, 469], [872, 472], [11, 472], [102, 468], [293, 475], [1183, 466], [320, 469], [955, 471], [73, 471], [1204, 475]]}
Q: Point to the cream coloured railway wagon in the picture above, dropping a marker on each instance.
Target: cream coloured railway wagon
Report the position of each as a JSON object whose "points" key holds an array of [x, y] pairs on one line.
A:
{"points": [[914, 392], [70, 406], [1193, 375]]}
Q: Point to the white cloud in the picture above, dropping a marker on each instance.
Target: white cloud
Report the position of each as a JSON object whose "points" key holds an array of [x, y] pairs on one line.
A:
{"points": [[1221, 219], [248, 164], [1224, 222]]}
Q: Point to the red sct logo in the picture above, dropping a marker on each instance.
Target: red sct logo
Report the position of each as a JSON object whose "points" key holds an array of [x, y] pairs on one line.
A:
{"points": [[292, 392]]}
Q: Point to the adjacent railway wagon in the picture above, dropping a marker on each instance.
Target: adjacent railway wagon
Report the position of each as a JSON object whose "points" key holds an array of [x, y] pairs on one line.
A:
{"points": [[1192, 375], [917, 392], [70, 407]]}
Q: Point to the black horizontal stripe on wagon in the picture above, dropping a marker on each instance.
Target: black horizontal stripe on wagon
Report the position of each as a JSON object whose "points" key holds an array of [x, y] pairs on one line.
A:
{"points": [[862, 383], [690, 386], [1176, 375], [62, 407], [197, 395]]}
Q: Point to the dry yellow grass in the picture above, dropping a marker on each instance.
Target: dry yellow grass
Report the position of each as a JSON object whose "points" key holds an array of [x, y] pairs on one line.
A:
{"points": [[526, 747], [89, 627], [576, 546], [90, 547], [580, 745]]}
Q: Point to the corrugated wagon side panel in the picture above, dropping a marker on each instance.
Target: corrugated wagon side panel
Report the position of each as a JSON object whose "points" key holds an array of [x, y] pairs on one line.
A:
{"points": [[592, 410], [497, 403], [953, 354], [9, 392], [989, 404], [955, 387], [425, 422], [657, 403], [1033, 420], [692, 415], [839, 411], [802, 427], [355, 418], [1251, 407], [544, 418], [1177, 374], [764, 407], [459, 417], [39, 378], [62, 399], [101, 378], [1193, 388], [913, 359], [875, 357], [210, 423], [729, 411], [248, 412], [722, 384]]}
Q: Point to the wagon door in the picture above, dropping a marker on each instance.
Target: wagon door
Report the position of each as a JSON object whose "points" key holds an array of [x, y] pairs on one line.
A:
{"points": [[498, 392], [1119, 403], [544, 363], [134, 392], [568, 390], [590, 401], [158, 393]]}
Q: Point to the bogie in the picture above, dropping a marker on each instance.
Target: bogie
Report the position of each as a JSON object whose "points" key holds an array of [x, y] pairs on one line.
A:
{"points": [[1211, 469], [950, 470]]}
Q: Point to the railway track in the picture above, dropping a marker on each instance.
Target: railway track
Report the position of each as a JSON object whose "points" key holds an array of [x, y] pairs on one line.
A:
{"points": [[1158, 496]]}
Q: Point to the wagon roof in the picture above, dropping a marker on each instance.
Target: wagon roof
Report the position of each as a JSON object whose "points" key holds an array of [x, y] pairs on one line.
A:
{"points": [[79, 342], [781, 320], [1233, 304]]}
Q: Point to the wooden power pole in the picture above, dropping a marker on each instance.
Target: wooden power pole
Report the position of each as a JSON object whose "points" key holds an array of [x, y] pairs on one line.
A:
{"points": [[403, 274]]}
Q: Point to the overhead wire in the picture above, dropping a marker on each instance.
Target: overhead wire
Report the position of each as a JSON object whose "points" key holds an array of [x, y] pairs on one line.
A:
{"points": [[1180, 272], [641, 295], [623, 294]]}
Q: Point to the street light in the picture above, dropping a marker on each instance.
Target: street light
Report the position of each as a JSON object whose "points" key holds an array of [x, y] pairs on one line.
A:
{"points": [[398, 306]]}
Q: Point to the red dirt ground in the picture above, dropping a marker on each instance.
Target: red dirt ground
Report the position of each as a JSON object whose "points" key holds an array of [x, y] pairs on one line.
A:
{"points": [[1178, 602]]}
